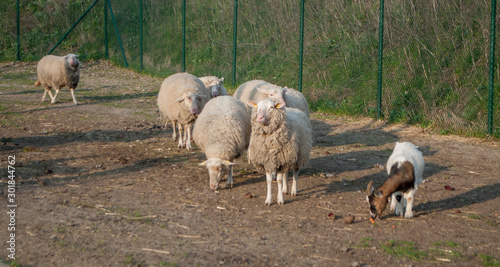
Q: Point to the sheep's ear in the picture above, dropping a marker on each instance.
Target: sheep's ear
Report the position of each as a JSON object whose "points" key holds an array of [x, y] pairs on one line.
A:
{"points": [[221, 79], [279, 105], [228, 163], [369, 188], [285, 89], [251, 103], [204, 163], [180, 99]]}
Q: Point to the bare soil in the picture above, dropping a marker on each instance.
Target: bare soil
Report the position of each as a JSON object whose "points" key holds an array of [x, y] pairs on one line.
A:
{"points": [[101, 184]]}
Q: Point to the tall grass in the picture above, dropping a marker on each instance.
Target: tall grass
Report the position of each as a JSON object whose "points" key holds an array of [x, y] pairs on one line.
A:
{"points": [[435, 52]]}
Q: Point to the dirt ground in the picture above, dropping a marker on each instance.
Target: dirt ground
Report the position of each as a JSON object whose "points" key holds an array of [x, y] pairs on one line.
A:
{"points": [[100, 184]]}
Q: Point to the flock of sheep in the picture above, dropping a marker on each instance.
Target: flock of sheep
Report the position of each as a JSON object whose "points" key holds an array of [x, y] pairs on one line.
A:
{"points": [[269, 122]]}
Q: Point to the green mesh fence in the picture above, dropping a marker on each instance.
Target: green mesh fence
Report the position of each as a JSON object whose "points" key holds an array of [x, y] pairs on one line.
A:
{"points": [[435, 52]]}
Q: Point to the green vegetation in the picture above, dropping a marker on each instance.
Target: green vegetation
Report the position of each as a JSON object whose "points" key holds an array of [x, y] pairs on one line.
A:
{"points": [[489, 260], [404, 249], [435, 56]]}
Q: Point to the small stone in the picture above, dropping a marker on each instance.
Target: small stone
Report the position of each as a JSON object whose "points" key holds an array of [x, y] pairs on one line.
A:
{"points": [[355, 264], [344, 249], [349, 219]]}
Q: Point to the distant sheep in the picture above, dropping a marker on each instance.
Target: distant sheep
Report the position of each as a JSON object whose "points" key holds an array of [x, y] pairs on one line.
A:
{"points": [[256, 90], [57, 72], [222, 131], [281, 140], [181, 98], [405, 168], [214, 85]]}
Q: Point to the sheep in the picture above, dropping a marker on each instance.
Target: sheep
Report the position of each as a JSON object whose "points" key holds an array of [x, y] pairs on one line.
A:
{"points": [[222, 131], [405, 168], [281, 140], [181, 98], [214, 85], [57, 72], [257, 90]]}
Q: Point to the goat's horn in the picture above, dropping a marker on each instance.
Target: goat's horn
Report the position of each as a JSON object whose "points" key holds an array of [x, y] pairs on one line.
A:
{"points": [[369, 188]]}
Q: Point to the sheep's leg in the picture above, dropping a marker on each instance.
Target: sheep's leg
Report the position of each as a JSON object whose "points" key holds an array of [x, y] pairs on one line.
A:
{"points": [[174, 127], [181, 143], [294, 183], [230, 176], [55, 95], [47, 89], [73, 95], [409, 203], [279, 179], [269, 180], [285, 184], [187, 131]]}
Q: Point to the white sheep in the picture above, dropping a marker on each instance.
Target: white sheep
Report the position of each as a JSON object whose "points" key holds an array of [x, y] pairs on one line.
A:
{"points": [[256, 90], [214, 85], [57, 72], [222, 131], [405, 168], [181, 98], [281, 140]]}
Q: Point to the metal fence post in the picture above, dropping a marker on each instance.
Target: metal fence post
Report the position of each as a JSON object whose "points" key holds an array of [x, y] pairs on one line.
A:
{"points": [[301, 47], [492, 65], [18, 42], [72, 27], [183, 35], [140, 33], [117, 33], [235, 41], [106, 54], [380, 58]]}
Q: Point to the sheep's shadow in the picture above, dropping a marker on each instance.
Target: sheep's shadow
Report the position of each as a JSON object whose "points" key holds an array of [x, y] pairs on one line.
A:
{"points": [[62, 138], [76, 173]]}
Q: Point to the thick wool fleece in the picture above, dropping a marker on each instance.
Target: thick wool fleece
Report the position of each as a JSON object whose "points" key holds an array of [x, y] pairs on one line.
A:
{"points": [[276, 146], [58, 72]]}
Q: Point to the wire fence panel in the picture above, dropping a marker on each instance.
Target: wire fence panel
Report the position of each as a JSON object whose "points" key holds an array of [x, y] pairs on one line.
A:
{"points": [[435, 65]]}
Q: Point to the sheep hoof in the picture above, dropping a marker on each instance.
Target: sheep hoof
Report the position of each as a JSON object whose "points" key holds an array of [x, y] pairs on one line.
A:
{"points": [[293, 194]]}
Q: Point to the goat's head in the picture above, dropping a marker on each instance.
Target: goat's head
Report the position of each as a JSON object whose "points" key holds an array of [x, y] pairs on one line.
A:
{"points": [[376, 200]]}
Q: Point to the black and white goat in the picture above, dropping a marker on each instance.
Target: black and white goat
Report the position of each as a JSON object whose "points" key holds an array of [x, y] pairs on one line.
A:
{"points": [[405, 168]]}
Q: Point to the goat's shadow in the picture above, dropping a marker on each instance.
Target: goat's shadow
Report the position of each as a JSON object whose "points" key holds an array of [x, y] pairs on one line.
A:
{"points": [[476, 195]]}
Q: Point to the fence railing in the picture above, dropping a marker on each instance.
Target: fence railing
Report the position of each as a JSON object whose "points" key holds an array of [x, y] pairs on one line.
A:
{"points": [[338, 54]]}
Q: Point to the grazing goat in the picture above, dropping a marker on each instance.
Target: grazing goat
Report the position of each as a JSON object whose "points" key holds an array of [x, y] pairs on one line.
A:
{"points": [[405, 168]]}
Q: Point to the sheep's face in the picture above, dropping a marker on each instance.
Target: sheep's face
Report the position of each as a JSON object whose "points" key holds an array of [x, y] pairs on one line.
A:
{"points": [[213, 85], [216, 169], [264, 109], [72, 61], [376, 200], [193, 101], [276, 94]]}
